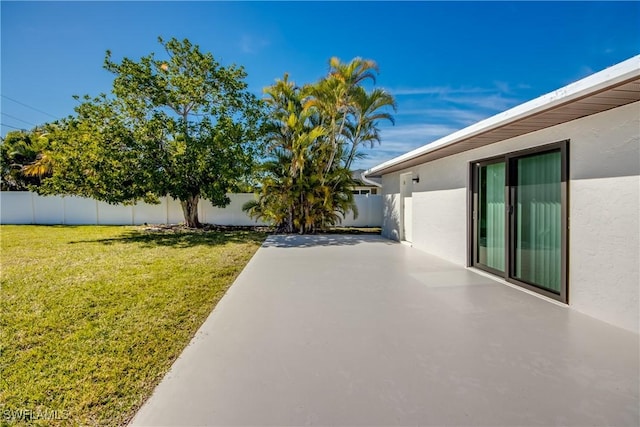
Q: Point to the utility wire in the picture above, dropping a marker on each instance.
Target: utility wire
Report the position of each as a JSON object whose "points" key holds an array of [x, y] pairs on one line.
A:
{"points": [[9, 126], [29, 106], [18, 119]]}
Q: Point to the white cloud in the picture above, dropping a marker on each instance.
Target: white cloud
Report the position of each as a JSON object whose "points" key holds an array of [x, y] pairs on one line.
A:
{"points": [[401, 139], [503, 87], [415, 132], [456, 115], [462, 105], [436, 90], [495, 103], [250, 44]]}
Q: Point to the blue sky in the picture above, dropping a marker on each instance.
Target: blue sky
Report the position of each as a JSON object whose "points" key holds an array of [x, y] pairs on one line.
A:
{"points": [[449, 64]]}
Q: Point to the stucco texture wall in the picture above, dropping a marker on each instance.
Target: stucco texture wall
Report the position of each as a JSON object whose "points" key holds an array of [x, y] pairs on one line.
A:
{"points": [[604, 209]]}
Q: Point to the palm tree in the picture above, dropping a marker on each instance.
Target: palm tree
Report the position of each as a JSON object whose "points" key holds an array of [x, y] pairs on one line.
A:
{"points": [[25, 159], [275, 200], [290, 141], [314, 135], [332, 97], [368, 111], [40, 168]]}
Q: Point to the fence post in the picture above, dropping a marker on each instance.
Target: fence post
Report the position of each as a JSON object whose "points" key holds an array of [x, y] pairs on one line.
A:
{"points": [[33, 210]]}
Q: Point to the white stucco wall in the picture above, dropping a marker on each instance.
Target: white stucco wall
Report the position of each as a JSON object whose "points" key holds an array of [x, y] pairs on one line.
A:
{"points": [[604, 209], [391, 208]]}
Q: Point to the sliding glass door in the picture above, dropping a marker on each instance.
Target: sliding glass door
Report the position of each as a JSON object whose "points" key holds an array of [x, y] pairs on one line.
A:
{"points": [[537, 242], [490, 242], [519, 218]]}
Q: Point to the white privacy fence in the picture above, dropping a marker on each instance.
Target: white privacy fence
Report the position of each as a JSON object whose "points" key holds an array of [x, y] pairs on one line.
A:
{"points": [[23, 207]]}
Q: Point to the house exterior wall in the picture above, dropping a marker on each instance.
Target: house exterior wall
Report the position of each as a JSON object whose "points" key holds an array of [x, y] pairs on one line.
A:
{"points": [[604, 209], [391, 208]]}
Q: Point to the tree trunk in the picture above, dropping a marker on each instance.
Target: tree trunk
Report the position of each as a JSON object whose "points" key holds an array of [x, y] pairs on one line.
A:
{"points": [[190, 211]]}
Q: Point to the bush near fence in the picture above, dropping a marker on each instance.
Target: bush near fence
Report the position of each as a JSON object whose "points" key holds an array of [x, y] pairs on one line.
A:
{"points": [[23, 207]]}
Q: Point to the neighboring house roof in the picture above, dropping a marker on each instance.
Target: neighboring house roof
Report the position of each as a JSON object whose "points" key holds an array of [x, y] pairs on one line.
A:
{"points": [[613, 87], [360, 179]]}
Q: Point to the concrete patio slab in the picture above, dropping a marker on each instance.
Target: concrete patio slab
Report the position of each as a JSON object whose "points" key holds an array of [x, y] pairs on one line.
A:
{"points": [[357, 330]]}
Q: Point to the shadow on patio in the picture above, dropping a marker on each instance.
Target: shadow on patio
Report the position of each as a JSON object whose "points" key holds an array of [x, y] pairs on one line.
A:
{"points": [[310, 241]]}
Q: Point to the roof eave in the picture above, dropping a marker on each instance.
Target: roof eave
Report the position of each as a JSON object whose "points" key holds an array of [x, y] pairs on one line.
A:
{"points": [[610, 77]]}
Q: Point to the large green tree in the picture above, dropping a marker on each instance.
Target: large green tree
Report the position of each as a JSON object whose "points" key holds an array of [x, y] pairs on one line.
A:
{"points": [[180, 125], [315, 133]]}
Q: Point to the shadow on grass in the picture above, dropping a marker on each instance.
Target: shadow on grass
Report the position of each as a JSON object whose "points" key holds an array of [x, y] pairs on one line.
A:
{"points": [[181, 239], [309, 241]]}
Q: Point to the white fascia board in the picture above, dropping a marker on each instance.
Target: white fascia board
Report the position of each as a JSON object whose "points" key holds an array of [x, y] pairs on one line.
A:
{"points": [[612, 76]]}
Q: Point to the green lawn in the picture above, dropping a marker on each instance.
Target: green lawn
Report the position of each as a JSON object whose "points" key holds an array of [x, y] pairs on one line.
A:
{"points": [[93, 317]]}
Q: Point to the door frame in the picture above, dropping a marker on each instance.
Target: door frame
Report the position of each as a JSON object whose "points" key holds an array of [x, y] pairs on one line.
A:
{"points": [[474, 175], [510, 176]]}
